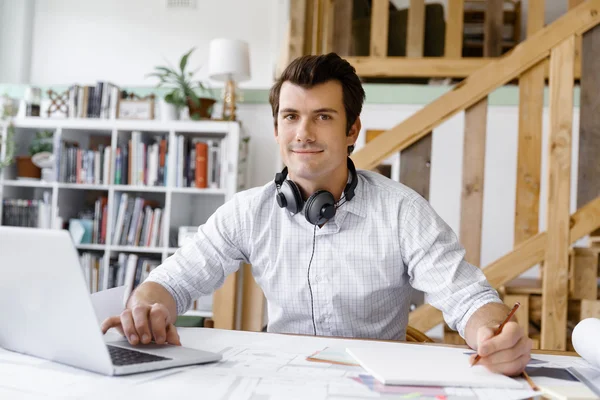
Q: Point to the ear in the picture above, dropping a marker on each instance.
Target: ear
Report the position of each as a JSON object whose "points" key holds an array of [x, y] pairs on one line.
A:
{"points": [[354, 131]]}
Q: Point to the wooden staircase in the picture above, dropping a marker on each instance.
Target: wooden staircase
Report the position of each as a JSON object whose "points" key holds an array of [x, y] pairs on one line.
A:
{"points": [[549, 51]]}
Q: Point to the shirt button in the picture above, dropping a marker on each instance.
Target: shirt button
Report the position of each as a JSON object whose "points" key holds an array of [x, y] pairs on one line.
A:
{"points": [[318, 278]]}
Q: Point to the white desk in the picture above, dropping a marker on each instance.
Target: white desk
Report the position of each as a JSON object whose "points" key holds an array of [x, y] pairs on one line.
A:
{"points": [[255, 366]]}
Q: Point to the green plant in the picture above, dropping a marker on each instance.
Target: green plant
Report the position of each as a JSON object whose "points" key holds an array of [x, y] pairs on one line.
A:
{"points": [[10, 146], [180, 82], [41, 142]]}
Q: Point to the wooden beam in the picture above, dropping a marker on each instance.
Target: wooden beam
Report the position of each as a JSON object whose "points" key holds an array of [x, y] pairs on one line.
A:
{"points": [[379, 28], [513, 264], [342, 27], [415, 166], [328, 21], [471, 215], [478, 85], [588, 173], [555, 281], [454, 29], [529, 156], [492, 28], [317, 24], [253, 303], [415, 29], [224, 303], [583, 273], [522, 313], [297, 34], [590, 309]]}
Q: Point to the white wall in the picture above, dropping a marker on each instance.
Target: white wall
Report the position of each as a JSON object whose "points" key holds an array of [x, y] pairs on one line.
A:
{"points": [[16, 19], [121, 41]]}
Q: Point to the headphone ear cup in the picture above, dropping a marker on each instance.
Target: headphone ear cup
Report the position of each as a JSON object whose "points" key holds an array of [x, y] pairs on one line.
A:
{"points": [[319, 207], [292, 195]]}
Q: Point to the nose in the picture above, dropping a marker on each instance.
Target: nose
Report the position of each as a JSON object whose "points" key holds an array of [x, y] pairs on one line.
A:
{"points": [[305, 132]]}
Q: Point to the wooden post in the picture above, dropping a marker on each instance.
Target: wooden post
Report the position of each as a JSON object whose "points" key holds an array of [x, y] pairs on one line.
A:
{"points": [[492, 29], [588, 173], [415, 30], [555, 281], [253, 303], [522, 313], [583, 273], [379, 28], [224, 303], [342, 27], [473, 181], [454, 29], [529, 158], [328, 20], [297, 42]]}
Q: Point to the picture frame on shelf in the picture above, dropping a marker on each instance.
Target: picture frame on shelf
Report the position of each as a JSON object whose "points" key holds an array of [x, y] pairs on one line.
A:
{"points": [[137, 108]]}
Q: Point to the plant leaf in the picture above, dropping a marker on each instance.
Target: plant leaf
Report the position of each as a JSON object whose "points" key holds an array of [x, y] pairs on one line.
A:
{"points": [[184, 60]]}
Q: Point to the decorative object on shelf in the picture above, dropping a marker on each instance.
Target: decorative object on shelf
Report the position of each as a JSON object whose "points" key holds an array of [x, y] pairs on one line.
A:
{"points": [[59, 104], [132, 106], [40, 148], [184, 91], [33, 100], [229, 61], [8, 109]]}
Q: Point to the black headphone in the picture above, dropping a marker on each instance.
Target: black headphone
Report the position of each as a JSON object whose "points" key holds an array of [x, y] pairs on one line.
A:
{"points": [[320, 206]]}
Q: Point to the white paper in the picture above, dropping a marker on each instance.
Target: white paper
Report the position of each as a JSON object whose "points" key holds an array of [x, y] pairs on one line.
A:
{"points": [[410, 364], [586, 340], [109, 302]]}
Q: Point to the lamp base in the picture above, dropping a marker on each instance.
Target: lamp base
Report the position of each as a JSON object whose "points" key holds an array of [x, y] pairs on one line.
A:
{"points": [[229, 101]]}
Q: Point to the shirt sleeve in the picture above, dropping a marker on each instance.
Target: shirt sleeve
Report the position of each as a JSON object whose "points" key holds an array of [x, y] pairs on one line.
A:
{"points": [[435, 263], [200, 266]]}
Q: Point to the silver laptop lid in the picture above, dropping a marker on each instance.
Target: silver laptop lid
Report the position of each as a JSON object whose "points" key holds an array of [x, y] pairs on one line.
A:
{"points": [[44, 302]]}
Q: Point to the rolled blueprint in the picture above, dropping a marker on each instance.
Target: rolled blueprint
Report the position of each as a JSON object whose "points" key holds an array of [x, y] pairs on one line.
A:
{"points": [[586, 340]]}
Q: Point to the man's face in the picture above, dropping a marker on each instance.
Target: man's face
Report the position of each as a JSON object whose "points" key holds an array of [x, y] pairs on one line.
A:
{"points": [[311, 130]]}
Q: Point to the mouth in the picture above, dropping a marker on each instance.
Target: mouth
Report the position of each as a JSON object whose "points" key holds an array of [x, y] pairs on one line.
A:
{"points": [[304, 152]]}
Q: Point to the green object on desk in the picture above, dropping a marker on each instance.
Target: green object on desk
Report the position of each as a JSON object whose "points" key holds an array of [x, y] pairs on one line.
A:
{"points": [[189, 321]]}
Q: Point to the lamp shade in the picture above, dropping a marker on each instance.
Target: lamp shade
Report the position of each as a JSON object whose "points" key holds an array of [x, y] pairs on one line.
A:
{"points": [[229, 59]]}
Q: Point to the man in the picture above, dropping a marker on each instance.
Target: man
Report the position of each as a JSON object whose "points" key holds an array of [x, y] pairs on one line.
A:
{"points": [[335, 251]]}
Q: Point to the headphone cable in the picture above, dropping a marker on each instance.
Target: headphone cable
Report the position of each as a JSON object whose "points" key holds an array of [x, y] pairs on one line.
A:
{"points": [[312, 306]]}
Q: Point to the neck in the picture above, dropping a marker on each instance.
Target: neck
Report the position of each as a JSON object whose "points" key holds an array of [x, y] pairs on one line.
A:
{"points": [[334, 183]]}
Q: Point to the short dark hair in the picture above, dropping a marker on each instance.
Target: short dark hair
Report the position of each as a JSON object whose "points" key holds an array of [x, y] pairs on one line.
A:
{"points": [[309, 71]]}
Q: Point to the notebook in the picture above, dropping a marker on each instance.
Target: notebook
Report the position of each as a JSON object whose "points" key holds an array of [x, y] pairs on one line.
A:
{"points": [[411, 364]]}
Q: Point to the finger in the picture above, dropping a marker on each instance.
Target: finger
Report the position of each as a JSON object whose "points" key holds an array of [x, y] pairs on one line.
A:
{"points": [[173, 335], [142, 323], [158, 322], [509, 337], [508, 355], [511, 368], [128, 327], [111, 322]]}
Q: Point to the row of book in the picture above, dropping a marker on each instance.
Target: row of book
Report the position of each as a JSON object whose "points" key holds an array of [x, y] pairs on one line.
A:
{"points": [[99, 101], [90, 225], [84, 166], [137, 222], [198, 162], [27, 213], [126, 270], [142, 164]]}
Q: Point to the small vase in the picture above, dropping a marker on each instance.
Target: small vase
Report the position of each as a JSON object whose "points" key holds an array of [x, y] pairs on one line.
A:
{"points": [[168, 112]]}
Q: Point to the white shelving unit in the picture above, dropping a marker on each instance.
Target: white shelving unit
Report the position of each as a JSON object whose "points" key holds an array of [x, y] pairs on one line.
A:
{"points": [[188, 206]]}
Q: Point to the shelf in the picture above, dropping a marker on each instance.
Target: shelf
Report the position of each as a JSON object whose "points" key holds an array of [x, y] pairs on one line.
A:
{"points": [[193, 190], [198, 313], [82, 186], [28, 183], [129, 188], [100, 247], [187, 126], [137, 249]]}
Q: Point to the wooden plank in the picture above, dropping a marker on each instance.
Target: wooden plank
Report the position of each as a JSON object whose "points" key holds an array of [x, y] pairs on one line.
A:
{"points": [[590, 309], [309, 29], [342, 27], [513, 264], [492, 28], [556, 260], [524, 286], [478, 85], [415, 29], [522, 313], [529, 156], [297, 26], [415, 166], [317, 24], [379, 28], [328, 21], [583, 274], [588, 173], [471, 215], [253, 303], [454, 29], [224, 303]]}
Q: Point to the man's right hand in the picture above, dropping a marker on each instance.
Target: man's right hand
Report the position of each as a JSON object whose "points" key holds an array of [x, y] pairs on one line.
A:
{"points": [[144, 323]]}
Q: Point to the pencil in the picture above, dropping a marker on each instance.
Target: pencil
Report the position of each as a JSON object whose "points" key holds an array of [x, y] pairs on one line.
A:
{"points": [[512, 312], [531, 383]]}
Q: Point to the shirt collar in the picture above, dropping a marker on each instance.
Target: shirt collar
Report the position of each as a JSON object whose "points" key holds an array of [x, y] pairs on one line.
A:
{"points": [[357, 205]]}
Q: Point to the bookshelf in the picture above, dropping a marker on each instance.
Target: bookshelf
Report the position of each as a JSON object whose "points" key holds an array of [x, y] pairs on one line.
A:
{"points": [[121, 196]]}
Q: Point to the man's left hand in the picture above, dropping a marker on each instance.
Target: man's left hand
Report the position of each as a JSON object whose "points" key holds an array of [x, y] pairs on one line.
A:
{"points": [[508, 353]]}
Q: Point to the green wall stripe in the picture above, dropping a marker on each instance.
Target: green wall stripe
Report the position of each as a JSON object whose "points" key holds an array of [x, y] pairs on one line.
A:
{"points": [[376, 93]]}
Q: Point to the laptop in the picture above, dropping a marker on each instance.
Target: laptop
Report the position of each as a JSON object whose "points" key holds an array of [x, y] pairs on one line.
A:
{"points": [[47, 311]]}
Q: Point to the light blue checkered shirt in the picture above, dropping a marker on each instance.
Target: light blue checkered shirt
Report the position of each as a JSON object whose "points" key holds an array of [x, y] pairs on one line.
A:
{"points": [[381, 242]]}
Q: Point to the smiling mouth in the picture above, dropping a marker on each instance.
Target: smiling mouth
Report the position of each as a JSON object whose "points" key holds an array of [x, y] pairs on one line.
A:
{"points": [[307, 152]]}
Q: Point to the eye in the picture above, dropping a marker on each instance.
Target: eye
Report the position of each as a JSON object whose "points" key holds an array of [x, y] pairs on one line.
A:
{"points": [[289, 117], [324, 117]]}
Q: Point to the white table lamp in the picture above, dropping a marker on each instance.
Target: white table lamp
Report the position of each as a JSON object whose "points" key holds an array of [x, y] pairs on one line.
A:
{"points": [[229, 61]]}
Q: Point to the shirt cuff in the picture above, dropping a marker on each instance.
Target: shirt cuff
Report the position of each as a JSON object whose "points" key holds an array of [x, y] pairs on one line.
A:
{"points": [[487, 299], [179, 300]]}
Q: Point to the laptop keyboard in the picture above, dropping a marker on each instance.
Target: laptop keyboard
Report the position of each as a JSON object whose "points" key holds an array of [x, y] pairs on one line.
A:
{"points": [[121, 356]]}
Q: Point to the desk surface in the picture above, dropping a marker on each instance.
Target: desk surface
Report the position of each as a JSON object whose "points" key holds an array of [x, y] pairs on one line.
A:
{"points": [[255, 366]]}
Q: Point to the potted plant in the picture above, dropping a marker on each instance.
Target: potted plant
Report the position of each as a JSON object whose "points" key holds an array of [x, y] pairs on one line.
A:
{"points": [[42, 142], [184, 90]]}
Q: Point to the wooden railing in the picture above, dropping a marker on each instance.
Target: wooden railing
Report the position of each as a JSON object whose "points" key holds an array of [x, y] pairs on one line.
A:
{"points": [[557, 44], [321, 26]]}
